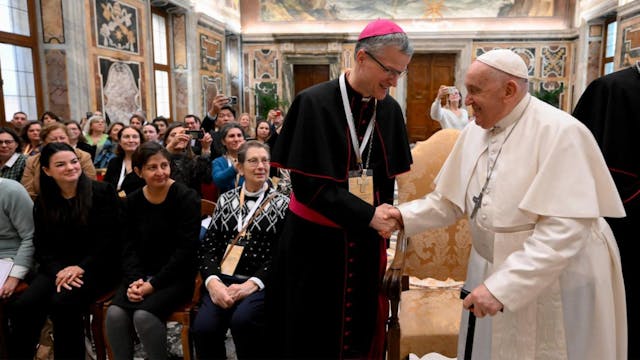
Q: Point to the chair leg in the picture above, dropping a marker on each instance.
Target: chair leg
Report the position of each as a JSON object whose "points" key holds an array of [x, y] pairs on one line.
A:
{"points": [[186, 343], [97, 330]]}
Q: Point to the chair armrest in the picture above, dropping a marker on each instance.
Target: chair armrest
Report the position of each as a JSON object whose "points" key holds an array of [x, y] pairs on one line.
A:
{"points": [[392, 281], [392, 286]]}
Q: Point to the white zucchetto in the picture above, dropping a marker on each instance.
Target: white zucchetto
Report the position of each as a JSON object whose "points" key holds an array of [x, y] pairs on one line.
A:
{"points": [[506, 61]]}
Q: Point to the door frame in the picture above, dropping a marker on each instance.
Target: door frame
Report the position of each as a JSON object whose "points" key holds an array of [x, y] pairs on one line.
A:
{"points": [[289, 60], [431, 45]]}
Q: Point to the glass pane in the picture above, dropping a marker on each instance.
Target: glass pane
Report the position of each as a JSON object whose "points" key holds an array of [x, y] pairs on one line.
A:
{"points": [[15, 17], [16, 63], [608, 68], [162, 94], [159, 40], [611, 39]]}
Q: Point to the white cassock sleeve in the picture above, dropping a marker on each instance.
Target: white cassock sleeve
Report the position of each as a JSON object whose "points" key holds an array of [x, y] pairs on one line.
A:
{"points": [[431, 211], [546, 253]]}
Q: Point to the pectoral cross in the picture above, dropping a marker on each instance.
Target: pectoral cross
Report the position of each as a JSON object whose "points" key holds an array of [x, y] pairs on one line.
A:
{"points": [[477, 200], [363, 181], [245, 235]]}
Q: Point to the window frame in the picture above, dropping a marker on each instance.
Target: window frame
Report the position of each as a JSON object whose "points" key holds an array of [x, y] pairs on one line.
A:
{"points": [[162, 67], [31, 42], [608, 59]]}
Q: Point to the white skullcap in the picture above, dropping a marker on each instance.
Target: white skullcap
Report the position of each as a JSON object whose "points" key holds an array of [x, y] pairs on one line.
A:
{"points": [[507, 61]]}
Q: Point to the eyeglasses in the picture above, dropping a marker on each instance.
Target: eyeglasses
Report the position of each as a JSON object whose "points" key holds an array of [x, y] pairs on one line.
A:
{"points": [[7, 142], [389, 71], [253, 162]]}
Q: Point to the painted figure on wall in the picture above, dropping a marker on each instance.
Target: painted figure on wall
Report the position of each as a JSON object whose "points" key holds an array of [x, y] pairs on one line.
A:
{"points": [[121, 96], [117, 25]]}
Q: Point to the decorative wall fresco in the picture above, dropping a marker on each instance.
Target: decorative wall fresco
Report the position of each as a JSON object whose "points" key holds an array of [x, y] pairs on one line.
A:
{"points": [[120, 82], [349, 10], [116, 26], [549, 65], [53, 23], [179, 41], [265, 64], [629, 42], [56, 70], [210, 53]]}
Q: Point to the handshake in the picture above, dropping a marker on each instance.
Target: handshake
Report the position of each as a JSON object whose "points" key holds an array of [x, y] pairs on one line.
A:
{"points": [[386, 220]]}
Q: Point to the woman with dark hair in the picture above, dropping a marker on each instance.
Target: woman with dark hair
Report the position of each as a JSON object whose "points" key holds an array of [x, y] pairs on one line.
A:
{"points": [[49, 118], [31, 138], [150, 132], [235, 296], [77, 242], [263, 131], [187, 167], [12, 160], [162, 225], [120, 172], [108, 151], [225, 174], [136, 121], [162, 125], [77, 139], [56, 132]]}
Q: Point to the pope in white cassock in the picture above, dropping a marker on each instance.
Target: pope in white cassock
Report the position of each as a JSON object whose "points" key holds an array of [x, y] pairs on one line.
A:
{"points": [[544, 264]]}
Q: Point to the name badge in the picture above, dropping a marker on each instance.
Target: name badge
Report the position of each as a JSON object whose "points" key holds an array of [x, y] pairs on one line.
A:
{"points": [[228, 267], [361, 184]]}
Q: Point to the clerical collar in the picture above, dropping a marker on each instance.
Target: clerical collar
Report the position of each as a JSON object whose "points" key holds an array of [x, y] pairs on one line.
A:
{"points": [[353, 94], [514, 115]]}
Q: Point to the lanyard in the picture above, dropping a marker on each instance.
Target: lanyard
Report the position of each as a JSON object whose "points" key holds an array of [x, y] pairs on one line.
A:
{"points": [[243, 223], [358, 148]]}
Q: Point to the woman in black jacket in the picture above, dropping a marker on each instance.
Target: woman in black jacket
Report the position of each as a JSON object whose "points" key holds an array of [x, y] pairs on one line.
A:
{"points": [[120, 172], [161, 233], [76, 240]]}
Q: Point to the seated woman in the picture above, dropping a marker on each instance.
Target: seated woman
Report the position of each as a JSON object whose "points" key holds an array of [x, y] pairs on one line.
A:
{"points": [[109, 148], [12, 160], [31, 138], [96, 134], [186, 167], [246, 123], [225, 174], [77, 139], [452, 116], [77, 242], [246, 223], [120, 172], [161, 235], [16, 234], [150, 132], [55, 132], [263, 131]]}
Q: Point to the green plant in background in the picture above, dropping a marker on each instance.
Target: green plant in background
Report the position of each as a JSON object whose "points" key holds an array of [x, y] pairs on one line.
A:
{"points": [[550, 96], [267, 99]]}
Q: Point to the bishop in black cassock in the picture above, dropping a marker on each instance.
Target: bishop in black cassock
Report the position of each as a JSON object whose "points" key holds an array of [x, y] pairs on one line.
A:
{"points": [[610, 108]]}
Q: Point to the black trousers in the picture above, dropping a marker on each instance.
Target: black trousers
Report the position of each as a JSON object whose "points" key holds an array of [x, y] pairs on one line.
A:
{"points": [[28, 312]]}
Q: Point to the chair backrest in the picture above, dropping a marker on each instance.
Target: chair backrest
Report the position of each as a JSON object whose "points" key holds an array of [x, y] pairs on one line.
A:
{"points": [[438, 253], [207, 207]]}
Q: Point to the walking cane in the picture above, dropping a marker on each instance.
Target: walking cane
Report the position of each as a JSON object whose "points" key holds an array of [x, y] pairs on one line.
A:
{"points": [[471, 327]]}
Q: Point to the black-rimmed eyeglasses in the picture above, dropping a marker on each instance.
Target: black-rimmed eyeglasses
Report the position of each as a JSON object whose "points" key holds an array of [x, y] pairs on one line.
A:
{"points": [[388, 70]]}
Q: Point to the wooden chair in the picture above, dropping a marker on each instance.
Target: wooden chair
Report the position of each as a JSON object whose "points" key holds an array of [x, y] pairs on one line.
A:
{"points": [[207, 207], [425, 320]]}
